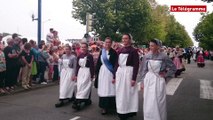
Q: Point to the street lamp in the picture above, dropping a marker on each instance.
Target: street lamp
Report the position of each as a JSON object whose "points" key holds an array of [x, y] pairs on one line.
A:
{"points": [[39, 21], [33, 17]]}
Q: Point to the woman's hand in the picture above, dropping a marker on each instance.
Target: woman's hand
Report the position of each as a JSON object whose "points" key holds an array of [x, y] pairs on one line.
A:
{"points": [[133, 82], [142, 86], [74, 78], [113, 81], [29, 65], [162, 74]]}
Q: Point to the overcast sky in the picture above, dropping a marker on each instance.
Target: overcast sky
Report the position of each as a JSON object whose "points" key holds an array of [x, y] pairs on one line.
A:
{"points": [[15, 17]]}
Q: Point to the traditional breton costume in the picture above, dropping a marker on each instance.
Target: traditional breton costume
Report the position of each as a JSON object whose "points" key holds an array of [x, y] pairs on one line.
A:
{"points": [[85, 73], [200, 59], [178, 63], [127, 95], [104, 76], [67, 67], [154, 85]]}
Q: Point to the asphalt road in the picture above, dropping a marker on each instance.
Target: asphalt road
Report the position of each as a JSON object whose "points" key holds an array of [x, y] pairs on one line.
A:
{"points": [[191, 99]]}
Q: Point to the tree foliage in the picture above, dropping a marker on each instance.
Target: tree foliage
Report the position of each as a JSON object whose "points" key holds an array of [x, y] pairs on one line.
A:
{"points": [[203, 32], [164, 26], [158, 22], [144, 19], [176, 34], [115, 16]]}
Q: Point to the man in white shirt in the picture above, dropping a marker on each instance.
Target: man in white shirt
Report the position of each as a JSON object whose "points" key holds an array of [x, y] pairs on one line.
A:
{"points": [[50, 36]]}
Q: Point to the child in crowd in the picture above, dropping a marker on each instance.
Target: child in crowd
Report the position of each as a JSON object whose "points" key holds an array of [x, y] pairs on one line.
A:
{"points": [[50, 63]]}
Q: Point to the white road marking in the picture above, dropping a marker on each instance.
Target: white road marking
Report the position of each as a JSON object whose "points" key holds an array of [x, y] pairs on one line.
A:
{"points": [[172, 85], [206, 89], [75, 118]]}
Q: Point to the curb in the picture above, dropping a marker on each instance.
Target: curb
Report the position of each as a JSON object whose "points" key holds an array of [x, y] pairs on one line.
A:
{"points": [[19, 89]]}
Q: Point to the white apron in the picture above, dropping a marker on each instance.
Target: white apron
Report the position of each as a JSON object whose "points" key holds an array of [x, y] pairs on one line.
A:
{"points": [[105, 86], [126, 95], [154, 93], [194, 56], [84, 83], [67, 86]]}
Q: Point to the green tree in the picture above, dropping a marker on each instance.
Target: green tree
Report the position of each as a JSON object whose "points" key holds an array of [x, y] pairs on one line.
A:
{"points": [[203, 32], [144, 19], [113, 16], [158, 22], [164, 26], [176, 34]]}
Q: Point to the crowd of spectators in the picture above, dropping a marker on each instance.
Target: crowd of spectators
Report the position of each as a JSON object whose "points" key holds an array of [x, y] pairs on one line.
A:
{"points": [[24, 62]]}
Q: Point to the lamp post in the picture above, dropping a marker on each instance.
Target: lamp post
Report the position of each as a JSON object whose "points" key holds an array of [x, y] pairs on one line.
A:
{"points": [[39, 21]]}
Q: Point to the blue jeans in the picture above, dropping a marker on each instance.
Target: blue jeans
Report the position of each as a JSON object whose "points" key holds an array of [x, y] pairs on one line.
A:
{"points": [[42, 69]]}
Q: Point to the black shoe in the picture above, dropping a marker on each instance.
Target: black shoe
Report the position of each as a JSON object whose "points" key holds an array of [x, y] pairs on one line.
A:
{"points": [[89, 102], [183, 69], [123, 118], [76, 106], [72, 99], [60, 104], [103, 112]]}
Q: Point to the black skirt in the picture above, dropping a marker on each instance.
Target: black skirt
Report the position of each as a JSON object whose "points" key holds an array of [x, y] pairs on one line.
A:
{"points": [[107, 102], [126, 116]]}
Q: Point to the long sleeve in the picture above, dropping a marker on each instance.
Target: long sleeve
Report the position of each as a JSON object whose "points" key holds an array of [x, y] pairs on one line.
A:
{"points": [[98, 66], [74, 64], [77, 67], [143, 69], [171, 67], [114, 59], [116, 64], [135, 65], [91, 62]]}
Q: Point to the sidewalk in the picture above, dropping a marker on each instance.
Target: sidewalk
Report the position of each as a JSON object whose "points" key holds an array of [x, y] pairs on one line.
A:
{"points": [[20, 89]]}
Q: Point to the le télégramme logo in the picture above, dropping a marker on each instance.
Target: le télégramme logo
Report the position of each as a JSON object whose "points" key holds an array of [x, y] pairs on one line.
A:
{"points": [[188, 8]]}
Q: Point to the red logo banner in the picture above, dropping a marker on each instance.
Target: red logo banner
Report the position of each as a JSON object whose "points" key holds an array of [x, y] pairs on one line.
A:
{"points": [[188, 8]]}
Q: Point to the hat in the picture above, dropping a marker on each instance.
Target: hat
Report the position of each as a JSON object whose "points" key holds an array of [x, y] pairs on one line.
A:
{"points": [[157, 42]]}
